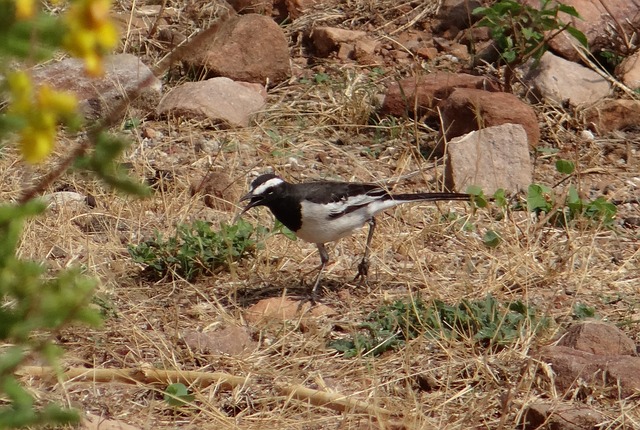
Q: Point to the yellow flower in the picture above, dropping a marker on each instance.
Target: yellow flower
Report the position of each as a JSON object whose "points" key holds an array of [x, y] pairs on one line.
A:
{"points": [[90, 32], [60, 102], [36, 144], [25, 9]]}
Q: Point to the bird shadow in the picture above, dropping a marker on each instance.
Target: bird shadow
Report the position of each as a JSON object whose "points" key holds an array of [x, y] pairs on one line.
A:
{"points": [[295, 290]]}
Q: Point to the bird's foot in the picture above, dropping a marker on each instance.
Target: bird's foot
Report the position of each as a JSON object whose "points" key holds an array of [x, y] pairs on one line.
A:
{"points": [[363, 272]]}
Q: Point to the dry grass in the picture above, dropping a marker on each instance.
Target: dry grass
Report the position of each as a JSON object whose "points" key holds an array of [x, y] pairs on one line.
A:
{"points": [[310, 131]]}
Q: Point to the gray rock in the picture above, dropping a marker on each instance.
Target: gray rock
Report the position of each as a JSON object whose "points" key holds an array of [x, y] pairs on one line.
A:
{"points": [[217, 99], [491, 158], [629, 71], [124, 74], [558, 80]]}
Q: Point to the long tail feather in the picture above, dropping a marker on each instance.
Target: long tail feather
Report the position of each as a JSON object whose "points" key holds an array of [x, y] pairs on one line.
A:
{"points": [[430, 197]]}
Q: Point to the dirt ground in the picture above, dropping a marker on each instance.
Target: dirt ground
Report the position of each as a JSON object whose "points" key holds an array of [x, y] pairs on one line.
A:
{"points": [[321, 128]]}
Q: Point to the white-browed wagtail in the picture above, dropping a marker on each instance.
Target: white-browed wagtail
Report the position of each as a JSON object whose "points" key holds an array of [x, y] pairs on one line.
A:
{"points": [[321, 212]]}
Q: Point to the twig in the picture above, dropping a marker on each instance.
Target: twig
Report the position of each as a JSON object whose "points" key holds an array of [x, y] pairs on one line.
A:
{"points": [[141, 375], [336, 401]]}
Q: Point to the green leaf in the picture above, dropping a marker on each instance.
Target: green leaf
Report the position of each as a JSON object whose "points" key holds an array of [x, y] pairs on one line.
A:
{"points": [[537, 199], [569, 10], [582, 311], [491, 239], [565, 166], [500, 198], [578, 35], [177, 394]]}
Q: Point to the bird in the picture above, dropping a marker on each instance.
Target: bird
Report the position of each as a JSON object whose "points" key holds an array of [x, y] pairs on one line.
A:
{"points": [[325, 211]]}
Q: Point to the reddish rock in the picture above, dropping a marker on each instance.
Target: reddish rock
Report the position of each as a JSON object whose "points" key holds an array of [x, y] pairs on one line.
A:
{"points": [[329, 39], [612, 372], [491, 158], [217, 99], [467, 110], [598, 20], [426, 92], [124, 75], [261, 7], [218, 190], [597, 337], [560, 417], [250, 48], [456, 15], [281, 309], [292, 9], [611, 115], [231, 340]]}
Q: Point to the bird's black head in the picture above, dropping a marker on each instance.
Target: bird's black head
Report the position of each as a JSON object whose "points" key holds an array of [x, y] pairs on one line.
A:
{"points": [[263, 190]]}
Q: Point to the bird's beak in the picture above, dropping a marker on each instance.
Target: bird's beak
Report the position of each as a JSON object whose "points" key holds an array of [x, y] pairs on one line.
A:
{"points": [[255, 201]]}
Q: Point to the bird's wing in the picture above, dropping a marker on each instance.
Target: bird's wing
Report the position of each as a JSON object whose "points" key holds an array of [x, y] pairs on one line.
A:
{"points": [[344, 197]]}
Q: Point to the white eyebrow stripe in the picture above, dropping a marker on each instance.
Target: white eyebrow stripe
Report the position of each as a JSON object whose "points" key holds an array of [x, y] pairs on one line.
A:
{"points": [[264, 186]]}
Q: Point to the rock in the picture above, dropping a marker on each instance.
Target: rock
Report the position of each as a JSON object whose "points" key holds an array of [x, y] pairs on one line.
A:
{"points": [[124, 74], [94, 422], [329, 39], [230, 340], [218, 191], [456, 15], [216, 99], [618, 373], [603, 23], [558, 80], [426, 92], [611, 115], [560, 417], [66, 199], [261, 7], [282, 309], [250, 48], [598, 337], [292, 9], [629, 71], [491, 158], [467, 110]]}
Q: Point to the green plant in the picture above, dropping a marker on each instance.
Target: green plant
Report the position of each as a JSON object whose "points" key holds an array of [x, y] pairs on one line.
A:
{"points": [[486, 322], [582, 311], [523, 32], [542, 200], [36, 303], [177, 394], [196, 248]]}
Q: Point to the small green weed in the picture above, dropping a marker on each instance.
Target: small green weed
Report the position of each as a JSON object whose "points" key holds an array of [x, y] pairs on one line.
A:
{"points": [[582, 311], [486, 321], [542, 200], [196, 248], [177, 395], [522, 32]]}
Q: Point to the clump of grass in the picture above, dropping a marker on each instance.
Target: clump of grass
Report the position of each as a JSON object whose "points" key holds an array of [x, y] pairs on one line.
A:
{"points": [[486, 321], [197, 249]]}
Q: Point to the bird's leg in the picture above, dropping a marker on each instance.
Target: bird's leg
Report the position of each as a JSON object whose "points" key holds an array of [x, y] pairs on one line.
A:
{"points": [[324, 259], [363, 267]]}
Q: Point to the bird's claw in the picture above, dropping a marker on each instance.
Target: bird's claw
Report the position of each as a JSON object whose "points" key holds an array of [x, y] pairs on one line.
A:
{"points": [[363, 271]]}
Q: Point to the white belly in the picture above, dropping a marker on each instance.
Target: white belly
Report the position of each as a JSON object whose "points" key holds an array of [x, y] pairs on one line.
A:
{"points": [[318, 227]]}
